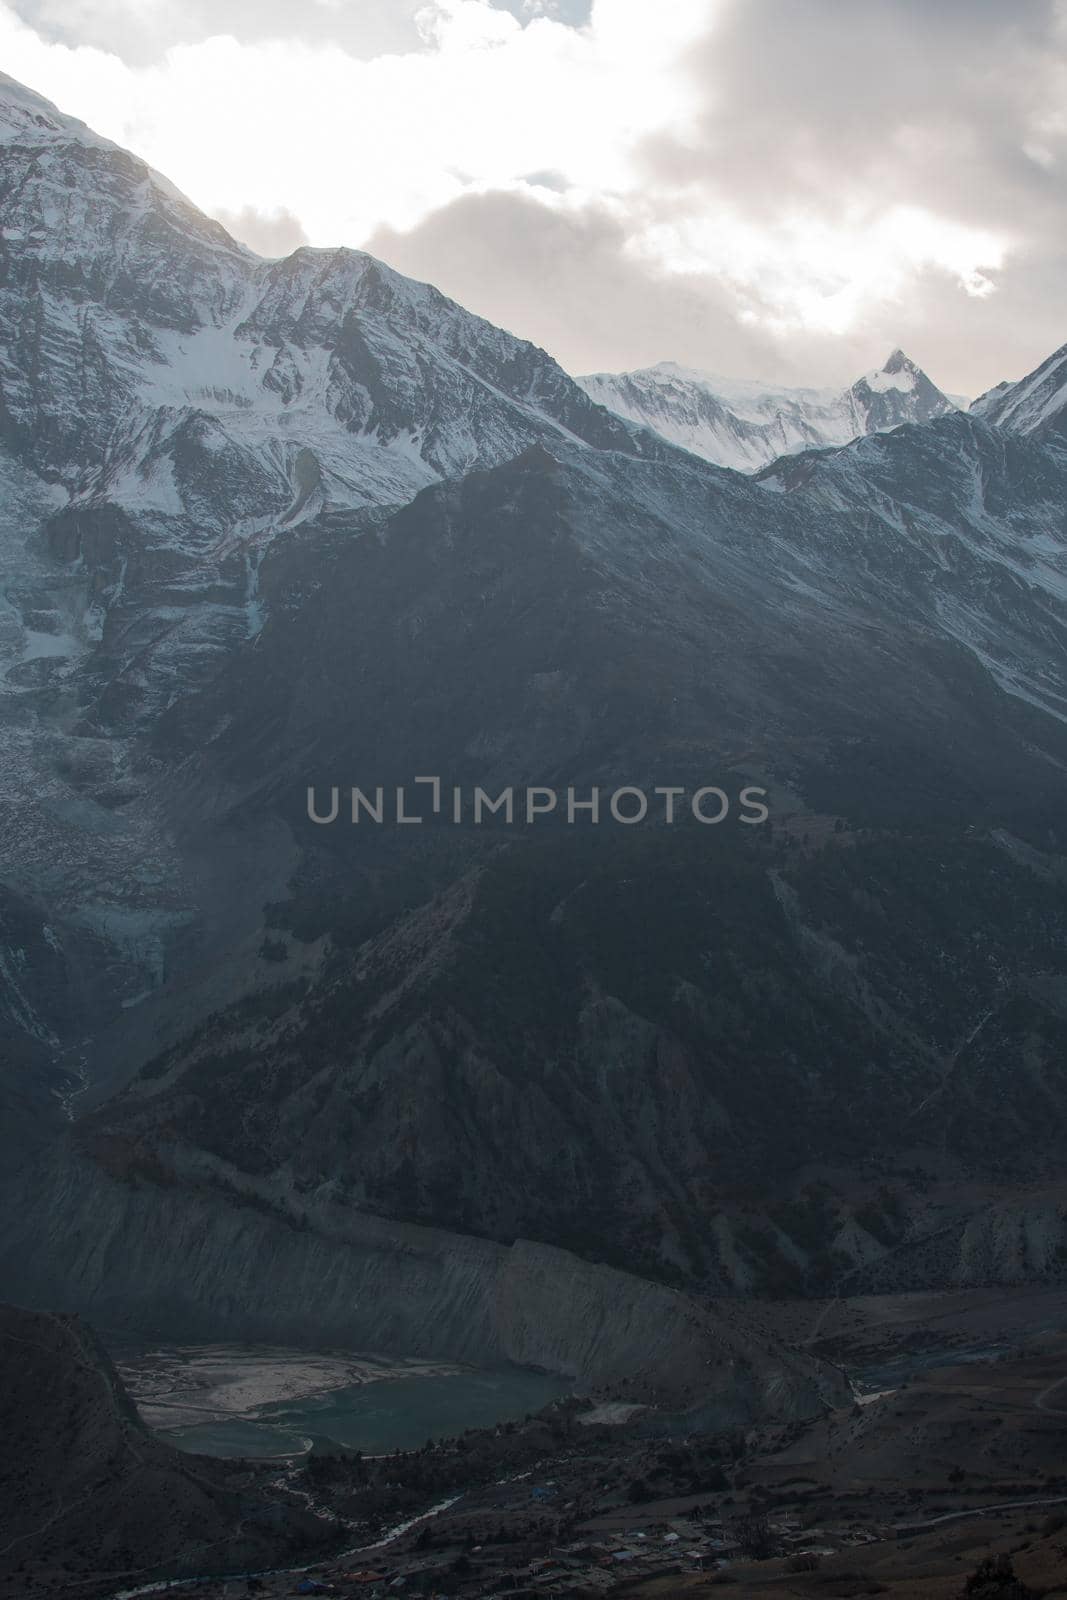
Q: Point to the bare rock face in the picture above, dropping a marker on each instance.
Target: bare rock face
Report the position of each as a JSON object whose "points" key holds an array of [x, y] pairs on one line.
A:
{"points": [[647, 1341]]}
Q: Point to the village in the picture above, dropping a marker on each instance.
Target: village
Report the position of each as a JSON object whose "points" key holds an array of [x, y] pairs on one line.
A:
{"points": [[914, 1488], [604, 1561]]}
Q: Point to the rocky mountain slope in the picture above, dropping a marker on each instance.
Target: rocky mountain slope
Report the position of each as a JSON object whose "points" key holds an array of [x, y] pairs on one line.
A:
{"points": [[598, 1071], [979, 512], [268, 526], [170, 405], [744, 424]]}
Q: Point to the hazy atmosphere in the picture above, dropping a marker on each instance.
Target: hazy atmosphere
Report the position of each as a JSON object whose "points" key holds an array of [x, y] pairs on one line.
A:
{"points": [[533, 844], [742, 185]]}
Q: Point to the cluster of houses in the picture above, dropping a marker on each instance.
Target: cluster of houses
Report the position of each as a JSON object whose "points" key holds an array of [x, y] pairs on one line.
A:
{"points": [[587, 1566], [598, 1563], [594, 1566]]}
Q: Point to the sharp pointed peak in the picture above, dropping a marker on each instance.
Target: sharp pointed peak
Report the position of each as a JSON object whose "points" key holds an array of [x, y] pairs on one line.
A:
{"points": [[899, 362], [898, 372]]}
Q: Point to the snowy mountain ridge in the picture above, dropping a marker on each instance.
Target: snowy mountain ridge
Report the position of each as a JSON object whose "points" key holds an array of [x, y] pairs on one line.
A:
{"points": [[747, 424], [152, 306], [194, 400], [1037, 404], [171, 406]]}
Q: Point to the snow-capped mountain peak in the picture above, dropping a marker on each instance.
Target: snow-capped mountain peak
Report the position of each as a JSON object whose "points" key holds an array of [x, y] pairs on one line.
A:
{"points": [[744, 424], [896, 393], [192, 399], [899, 372], [28, 119]]}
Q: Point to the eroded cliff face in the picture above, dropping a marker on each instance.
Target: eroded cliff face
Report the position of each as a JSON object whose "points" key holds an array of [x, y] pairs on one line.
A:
{"points": [[1009, 1236], [221, 1257]]}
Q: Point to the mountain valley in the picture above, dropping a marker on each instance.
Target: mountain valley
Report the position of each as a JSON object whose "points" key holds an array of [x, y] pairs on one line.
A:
{"points": [[620, 1102]]}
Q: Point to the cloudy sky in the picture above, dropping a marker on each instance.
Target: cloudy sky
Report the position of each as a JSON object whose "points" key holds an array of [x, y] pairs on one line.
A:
{"points": [[779, 188]]}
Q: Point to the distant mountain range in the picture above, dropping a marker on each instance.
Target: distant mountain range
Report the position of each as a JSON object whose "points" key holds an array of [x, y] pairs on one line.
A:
{"points": [[267, 525], [742, 424]]}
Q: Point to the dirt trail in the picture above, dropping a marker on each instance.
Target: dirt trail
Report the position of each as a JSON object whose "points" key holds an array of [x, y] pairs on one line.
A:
{"points": [[1041, 1401]]}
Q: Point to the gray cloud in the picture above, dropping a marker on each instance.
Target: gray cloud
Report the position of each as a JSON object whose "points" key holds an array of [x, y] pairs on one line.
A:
{"points": [[918, 101], [822, 111], [140, 33], [269, 233], [949, 106], [564, 280], [574, 12], [806, 109]]}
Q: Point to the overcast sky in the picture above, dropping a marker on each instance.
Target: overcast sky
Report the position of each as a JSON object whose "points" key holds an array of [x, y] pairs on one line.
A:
{"points": [[778, 188]]}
